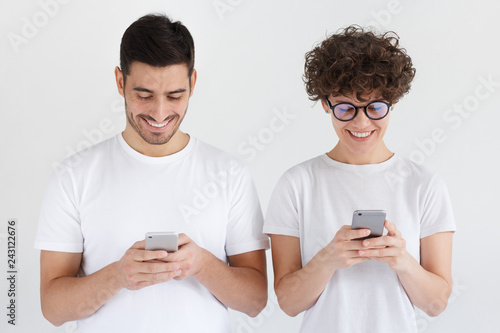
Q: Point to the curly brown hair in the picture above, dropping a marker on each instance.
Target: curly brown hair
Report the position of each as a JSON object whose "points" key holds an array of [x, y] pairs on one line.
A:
{"points": [[355, 61]]}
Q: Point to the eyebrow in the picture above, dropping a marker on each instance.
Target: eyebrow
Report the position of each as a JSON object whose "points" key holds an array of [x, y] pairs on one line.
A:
{"points": [[142, 89]]}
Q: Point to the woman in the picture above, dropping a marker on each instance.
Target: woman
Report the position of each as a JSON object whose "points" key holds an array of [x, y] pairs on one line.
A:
{"points": [[344, 284]]}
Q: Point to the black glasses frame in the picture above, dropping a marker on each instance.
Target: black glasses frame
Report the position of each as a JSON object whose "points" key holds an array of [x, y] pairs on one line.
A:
{"points": [[332, 107]]}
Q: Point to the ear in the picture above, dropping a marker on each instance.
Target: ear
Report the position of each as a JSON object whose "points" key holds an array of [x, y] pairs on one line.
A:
{"points": [[119, 80], [325, 106], [194, 76]]}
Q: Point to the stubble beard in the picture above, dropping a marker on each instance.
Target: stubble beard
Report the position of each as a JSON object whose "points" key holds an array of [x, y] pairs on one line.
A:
{"points": [[153, 138]]}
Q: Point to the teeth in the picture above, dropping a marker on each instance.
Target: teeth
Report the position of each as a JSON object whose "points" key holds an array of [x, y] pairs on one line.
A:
{"points": [[360, 134], [157, 125]]}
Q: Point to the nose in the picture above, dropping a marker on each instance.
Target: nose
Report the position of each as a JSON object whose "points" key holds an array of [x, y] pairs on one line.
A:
{"points": [[361, 120], [160, 110]]}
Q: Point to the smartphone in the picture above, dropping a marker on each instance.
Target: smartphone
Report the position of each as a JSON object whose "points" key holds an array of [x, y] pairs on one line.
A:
{"points": [[168, 241], [369, 219]]}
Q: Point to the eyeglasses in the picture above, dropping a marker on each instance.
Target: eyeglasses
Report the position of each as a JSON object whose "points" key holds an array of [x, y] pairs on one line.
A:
{"points": [[376, 110]]}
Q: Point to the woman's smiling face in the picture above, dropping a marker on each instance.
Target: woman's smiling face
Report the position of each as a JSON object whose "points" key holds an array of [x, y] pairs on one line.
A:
{"points": [[360, 139]]}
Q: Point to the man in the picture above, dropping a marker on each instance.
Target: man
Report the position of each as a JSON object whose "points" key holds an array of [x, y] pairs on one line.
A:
{"points": [[152, 177]]}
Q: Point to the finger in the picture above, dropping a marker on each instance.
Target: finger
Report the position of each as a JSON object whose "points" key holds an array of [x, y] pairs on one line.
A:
{"points": [[184, 239], [379, 242], [143, 255], [154, 260], [345, 249], [141, 245], [391, 229], [353, 245], [157, 267], [176, 256], [358, 233], [345, 233], [380, 253], [385, 241], [144, 280], [373, 243]]}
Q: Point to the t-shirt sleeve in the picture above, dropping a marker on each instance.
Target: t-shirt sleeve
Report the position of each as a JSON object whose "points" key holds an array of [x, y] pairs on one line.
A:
{"points": [[245, 220], [59, 223], [282, 217], [437, 214]]}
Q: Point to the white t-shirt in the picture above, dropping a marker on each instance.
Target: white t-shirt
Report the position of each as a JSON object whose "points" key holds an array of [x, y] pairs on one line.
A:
{"points": [[315, 198], [104, 199]]}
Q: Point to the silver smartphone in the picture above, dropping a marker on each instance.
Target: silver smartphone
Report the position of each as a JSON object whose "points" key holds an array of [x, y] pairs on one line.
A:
{"points": [[369, 219], [167, 241]]}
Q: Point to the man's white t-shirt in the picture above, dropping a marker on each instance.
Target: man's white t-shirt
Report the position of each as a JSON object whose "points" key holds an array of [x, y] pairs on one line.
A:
{"points": [[104, 199], [315, 198]]}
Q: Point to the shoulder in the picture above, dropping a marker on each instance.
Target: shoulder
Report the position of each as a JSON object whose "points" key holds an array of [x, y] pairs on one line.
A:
{"points": [[304, 174], [307, 169], [88, 156], [209, 152], [212, 158], [415, 173]]}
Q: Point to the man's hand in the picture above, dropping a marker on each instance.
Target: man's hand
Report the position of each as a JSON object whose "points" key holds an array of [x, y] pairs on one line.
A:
{"points": [[390, 249], [190, 258], [139, 268], [241, 285]]}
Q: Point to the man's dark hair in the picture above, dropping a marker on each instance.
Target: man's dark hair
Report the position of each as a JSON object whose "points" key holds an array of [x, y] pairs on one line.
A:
{"points": [[157, 41], [355, 61]]}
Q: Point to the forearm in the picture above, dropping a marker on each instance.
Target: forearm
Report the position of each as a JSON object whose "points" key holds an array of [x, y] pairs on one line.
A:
{"points": [[300, 290], [72, 298], [240, 288], [427, 291]]}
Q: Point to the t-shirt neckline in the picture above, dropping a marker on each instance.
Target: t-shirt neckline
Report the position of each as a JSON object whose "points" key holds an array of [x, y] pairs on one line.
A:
{"points": [[361, 167], [157, 160]]}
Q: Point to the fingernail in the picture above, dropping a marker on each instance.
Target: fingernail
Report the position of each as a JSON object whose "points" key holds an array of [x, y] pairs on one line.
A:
{"points": [[362, 253]]}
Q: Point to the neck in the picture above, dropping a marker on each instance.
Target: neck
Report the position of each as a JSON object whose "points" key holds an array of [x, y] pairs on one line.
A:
{"points": [[378, 155], [178, 141]]}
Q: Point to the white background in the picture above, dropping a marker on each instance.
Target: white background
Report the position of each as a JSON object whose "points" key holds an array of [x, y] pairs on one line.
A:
{"points": [[58, 95]]}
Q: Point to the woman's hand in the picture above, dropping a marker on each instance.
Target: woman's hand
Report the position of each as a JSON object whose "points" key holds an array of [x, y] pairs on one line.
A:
{"points": [[390, 249], [343, 251]]}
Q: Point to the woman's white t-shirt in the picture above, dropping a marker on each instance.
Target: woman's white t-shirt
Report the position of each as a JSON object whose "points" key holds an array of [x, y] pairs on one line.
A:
{"points": [[315, 198]]}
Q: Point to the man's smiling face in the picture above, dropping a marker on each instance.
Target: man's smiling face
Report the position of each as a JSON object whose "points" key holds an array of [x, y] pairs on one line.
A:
{"points": [[156, 100]]}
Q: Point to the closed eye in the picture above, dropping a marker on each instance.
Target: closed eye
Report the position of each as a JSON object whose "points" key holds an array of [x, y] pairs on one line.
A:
{"points": [[345, 108]]}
